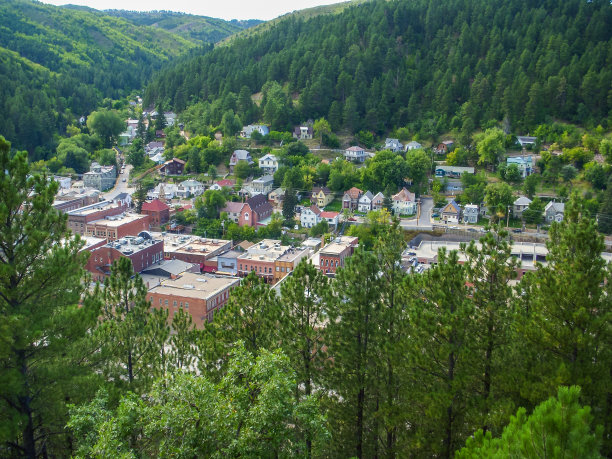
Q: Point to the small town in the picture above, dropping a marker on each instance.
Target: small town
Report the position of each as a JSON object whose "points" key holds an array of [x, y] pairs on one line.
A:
{"points": [[358, 229]]}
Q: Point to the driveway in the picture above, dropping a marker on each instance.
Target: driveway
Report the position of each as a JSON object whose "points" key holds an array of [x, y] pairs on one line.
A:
{"points": [[423, 218]]}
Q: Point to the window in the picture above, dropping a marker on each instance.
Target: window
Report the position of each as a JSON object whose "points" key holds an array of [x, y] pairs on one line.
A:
{"points": [[240, 266], [283, 269], [186, 305], [151, 299], [181, 305], [166, 302], [160, 301]]}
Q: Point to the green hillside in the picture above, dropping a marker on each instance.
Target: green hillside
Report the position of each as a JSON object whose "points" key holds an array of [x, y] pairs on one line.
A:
{"points": [[58, 63], [188, 26], [427, 65]]}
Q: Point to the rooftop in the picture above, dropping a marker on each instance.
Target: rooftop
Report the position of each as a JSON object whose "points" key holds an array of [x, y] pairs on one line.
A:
{"points": [[117, 220], [292, 254], [266, 250], [130, 245], [92, 208], [183, 243], [194, 285], [338, 245]]}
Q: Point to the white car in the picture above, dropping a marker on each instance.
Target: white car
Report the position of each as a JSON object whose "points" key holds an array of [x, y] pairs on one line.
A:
{"points": [[123, 180]]}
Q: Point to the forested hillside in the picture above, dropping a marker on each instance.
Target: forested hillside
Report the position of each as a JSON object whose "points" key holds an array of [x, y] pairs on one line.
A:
{"points": [[189, 26], [424, 64], [57, 64]]}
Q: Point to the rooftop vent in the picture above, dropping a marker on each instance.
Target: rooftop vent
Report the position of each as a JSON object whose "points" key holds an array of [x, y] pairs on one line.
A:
{"points": [[201, 279], [188, 286]]}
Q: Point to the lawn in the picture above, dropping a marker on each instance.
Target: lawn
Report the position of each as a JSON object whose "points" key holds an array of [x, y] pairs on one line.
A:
{"points": [[334, 206]]}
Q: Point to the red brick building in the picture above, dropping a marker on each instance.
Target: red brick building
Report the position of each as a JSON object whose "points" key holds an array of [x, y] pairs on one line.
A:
{"points": [[332, 256], [79, 218], [118, 226], [141, 251], [201, 295], [255, 210], [158, 212]]}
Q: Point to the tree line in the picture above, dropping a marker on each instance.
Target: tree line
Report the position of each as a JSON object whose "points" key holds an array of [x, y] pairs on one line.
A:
{"points": [[425, 65], [374, 363]]}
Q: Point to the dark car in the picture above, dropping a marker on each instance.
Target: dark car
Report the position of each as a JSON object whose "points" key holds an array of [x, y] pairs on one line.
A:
{"points": [[517, 230]]}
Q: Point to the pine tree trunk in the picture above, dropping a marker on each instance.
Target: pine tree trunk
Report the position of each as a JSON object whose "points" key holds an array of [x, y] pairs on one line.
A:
{"points": [[29, 444], [360, 404], [487, 374], [448, 441]]}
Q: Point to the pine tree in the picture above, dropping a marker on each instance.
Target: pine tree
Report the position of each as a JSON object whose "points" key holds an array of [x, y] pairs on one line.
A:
{"points": [[251, 316], [183, 351], [490, 267], [304, 296], [352, 335], [42, 328], [568, 314], [126, 327], [440, 316], [141, 130]]}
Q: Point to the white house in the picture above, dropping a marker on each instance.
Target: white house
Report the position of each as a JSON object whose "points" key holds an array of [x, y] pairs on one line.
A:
{"points": [[269, 163], [189, 188], [248, 130], [470, 213], [524, 163], [524, 140], [158, 158], [355, 153], [63, 182], [331, 218], [310, 216], [413, 145], [394, 145], [169, 191], [520, 204], [262, 185], [404, 203], [365, 202]]}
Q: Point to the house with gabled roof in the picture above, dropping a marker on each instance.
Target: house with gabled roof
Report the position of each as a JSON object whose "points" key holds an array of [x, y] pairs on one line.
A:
{"points": [[174, 166], [322, 196], [413, 145], [520, 204], [302, 132], [189, 188], [470, 213], [247, 131], [269, 163], [378, 201], [394, 145], [233, 209], [451, 213], [158, 212], [255, 210], [309, 216], [350, 200], [222, 183], [239, 155], [403, 203], [553, 212], [365, 202], [332, 218]]}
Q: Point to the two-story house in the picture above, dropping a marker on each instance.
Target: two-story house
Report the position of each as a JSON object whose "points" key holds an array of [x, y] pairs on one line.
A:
{"points": [[189, 188], [378, 201], [239, 155], [322, 196], [262, 185], [302, 132], [269, 163], [451, 213], [519, 206], [470, 213], [350, 200], [394, 145], [247, 131], [355, 153], [403, 203], [310, 216], [365, 202]]}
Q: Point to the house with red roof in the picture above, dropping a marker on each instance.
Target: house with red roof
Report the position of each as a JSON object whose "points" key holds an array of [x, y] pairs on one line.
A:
{"points": [[158, 212], [355, 153], [403, 203], [332, 218], [222, 183]]}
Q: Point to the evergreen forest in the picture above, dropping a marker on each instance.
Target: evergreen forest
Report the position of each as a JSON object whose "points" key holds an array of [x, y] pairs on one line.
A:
{"points": [[58, 64], [431, 66]]}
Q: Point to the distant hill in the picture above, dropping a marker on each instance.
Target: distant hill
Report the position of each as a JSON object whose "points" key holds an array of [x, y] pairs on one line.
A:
{"points": [[427, 65], [188, 26], [58, 63]]}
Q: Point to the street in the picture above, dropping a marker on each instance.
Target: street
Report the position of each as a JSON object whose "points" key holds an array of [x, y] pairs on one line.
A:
{"points": [[120, 185], [424, 217]]}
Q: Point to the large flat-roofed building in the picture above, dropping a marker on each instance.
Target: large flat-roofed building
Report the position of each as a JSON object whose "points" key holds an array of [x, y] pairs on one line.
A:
{"points": [[331, 257], [100, 177], [286, 263], [192, 249], [142, 250], [78, 218], [71, 199], [199, 294], [261, 259], [117, 226]]}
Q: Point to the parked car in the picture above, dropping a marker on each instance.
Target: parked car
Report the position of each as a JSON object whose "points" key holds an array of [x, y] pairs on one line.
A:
{"points": [[517, 230]]}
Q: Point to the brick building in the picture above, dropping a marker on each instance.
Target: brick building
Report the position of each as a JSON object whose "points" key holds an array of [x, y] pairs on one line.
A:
{"points": [[143, 251], [199, 294], [331, 257], [74, 199], [255, 210], [117, 226], [286, 263], [78, 218], [158, 212], [192, 249], [261, 258]]}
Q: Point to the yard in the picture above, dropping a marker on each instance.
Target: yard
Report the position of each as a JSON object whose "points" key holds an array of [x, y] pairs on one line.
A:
{"points": [[334, 206]]}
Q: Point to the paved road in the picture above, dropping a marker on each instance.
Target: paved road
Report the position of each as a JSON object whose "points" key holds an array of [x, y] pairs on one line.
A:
{"points": [[424, 219], [120, 186]]}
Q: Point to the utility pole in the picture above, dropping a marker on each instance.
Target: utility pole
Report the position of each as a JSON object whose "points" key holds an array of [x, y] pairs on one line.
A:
{"points": [[507, 216]]}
